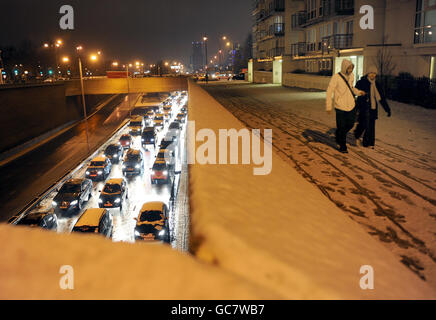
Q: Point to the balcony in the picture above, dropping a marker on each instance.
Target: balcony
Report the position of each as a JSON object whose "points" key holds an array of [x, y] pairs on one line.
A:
{"points": [[298, 20], [298, 49], [275, 52], [279, 5], [344, 7], [337, 41], [279, 29]]}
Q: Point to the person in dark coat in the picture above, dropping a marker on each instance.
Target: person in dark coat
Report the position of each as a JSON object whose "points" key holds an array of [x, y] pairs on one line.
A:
{"points": [[368, 107]]}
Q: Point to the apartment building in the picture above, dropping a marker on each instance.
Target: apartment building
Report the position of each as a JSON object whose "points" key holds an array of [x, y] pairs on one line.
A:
{"points": [[319, 34], [269, 28]]}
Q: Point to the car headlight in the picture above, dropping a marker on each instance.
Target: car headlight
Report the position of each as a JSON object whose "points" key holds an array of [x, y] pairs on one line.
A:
{"points": [[87, 173], [54, 203], [124, 166], [153, 172], [143, 140], [161, 233], [100, 173], [165, 173], [73, 203], [117, 200], [127, 143], [115, 156], [100, 201], [152, 140], [137, 166], [137, 233]]}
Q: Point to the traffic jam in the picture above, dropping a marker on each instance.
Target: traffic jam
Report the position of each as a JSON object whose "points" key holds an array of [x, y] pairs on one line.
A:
{"points": [[128, 189]]}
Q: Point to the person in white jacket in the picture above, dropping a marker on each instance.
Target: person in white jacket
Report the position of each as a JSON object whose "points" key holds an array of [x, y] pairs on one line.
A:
{"points": [[342, 87]]}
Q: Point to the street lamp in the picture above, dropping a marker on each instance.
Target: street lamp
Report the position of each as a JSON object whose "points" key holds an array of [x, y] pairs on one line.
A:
{"points": [[55, 46]]}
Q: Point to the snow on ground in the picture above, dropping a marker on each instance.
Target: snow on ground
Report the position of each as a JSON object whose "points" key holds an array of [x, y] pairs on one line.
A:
{"points": [[30, 262], [281, 231]]}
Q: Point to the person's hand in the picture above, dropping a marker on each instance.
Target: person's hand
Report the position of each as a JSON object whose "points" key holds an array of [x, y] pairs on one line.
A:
{"points": [[362, 93], [389, 114]]}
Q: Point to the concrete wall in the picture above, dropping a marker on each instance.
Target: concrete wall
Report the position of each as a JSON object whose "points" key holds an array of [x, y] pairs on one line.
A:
{"points": [[263, 77], [306, 81], [29, 111], [136, 85]]}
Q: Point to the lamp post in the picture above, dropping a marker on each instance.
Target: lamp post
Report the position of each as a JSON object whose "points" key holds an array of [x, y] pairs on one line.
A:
{"points": [[207, 70], [83, 96], [128, 85]]}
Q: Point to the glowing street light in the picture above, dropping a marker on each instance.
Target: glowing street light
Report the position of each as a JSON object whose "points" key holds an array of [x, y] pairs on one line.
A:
{"points": [[66, 59], [115, 64], [93, 57]]}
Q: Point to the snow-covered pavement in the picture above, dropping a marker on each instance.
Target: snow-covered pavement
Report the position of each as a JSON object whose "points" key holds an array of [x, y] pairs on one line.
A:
{"points": [[390, 191]]}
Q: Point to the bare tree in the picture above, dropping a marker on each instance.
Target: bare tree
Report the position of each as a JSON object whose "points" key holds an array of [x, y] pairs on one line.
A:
{"points": [[384, 62]]}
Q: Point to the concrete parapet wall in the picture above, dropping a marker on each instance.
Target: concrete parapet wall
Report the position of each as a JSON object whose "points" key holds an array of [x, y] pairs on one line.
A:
{"points": [[306, 81]]}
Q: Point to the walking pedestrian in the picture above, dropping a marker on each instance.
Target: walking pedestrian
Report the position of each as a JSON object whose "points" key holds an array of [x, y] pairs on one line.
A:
{"points": [[368, 107], [341, 86]]}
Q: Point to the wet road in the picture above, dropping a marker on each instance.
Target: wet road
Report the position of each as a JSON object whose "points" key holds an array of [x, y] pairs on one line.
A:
{"points": [[27, 177], [140, 191]]}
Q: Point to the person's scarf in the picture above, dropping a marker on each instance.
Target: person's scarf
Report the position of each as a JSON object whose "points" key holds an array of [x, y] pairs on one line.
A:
{"points": [[375, 95]]}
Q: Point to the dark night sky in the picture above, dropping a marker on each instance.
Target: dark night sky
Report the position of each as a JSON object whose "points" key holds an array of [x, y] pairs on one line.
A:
{"points": [[129, 29]]}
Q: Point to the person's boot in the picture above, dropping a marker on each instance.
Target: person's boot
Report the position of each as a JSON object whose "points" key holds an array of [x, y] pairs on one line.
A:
{"points": [[343, 149]]}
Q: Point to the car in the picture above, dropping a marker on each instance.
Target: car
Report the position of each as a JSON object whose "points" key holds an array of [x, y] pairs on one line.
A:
{"points": [[167, 109], [155, 108], [175, 127], [148, 137], [114, 153], [139, 111], [149, 114], [159, 120], [240, 76], [114, 194], [72, 195], [136, 125], [45, 220], [126, 141], [181, 118], [161, 173], [133, 163], [95, 221], [168, 155], [167, 117], [152, 222], [172, 136], [99, 168]]}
